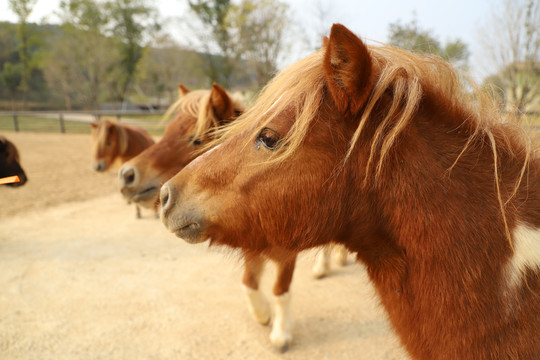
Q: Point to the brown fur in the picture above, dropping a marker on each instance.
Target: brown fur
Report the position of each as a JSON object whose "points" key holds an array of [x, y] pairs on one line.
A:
{"points": [[396, 161]]}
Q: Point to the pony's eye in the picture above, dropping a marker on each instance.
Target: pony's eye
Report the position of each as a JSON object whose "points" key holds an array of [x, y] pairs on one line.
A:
{"points": [[195, 142], [109, 143], [269, 138]]}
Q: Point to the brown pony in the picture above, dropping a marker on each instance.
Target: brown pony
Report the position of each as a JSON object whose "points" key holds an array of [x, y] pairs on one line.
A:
{"points": [[10, 162], [198, 114], [113, 141], [385, 152]]}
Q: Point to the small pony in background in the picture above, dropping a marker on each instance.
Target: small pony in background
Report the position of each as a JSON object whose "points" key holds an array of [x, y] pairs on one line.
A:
{"points": [[114, 142], [10, 163]]}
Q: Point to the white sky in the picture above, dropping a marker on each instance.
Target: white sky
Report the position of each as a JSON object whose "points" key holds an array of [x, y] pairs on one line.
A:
{"points": [[447, 20]]}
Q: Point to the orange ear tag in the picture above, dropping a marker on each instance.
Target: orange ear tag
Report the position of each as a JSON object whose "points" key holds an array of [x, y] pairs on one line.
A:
{"points": [[9, 180]]}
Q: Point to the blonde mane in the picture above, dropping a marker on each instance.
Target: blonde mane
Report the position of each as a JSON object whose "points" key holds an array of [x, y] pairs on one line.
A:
{"points": [[197, 104], [409, 77]]}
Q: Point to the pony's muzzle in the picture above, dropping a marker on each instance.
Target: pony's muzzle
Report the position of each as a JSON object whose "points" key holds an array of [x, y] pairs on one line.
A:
{"points": [[99, 165], [184, 221]]}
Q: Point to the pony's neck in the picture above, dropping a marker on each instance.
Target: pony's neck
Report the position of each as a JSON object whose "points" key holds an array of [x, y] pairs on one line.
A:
{"points": [[437, 259]]}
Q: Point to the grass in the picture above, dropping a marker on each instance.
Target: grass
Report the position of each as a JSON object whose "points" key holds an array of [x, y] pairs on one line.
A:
{"points": [[40, 124], [37, 124]]}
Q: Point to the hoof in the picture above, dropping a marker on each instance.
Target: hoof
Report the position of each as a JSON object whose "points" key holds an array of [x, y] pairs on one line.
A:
{"points": [[262, 318], [281, 340]]}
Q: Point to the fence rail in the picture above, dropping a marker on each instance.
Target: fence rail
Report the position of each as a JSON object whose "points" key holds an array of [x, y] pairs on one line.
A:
{"points": [[76, 121]]}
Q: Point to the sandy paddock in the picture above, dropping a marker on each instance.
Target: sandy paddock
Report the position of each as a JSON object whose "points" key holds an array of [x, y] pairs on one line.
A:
{"points": [[81, 278]]}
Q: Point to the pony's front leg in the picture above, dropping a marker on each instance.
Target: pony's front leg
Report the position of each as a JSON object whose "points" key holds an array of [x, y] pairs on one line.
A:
{"points": [[322, 262], [257, 303], [281, 335]]}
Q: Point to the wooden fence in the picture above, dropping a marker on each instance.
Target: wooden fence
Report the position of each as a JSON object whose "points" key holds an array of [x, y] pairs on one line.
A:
{"points": [[76, 122]]}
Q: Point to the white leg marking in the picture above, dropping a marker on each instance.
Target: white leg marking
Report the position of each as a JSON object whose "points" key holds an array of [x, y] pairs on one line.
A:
{"points": [[258, 305], [526, 254], [281, 335], [340, 254], [322, 263]]}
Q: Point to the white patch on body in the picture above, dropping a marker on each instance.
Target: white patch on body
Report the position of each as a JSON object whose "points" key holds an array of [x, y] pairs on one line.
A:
{"points": [[281, 335], [526, 254]]}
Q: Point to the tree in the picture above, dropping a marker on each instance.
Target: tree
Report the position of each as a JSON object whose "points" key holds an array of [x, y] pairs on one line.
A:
{"points": [[220, 51], [11, 78], [133, 23], [411, 37], [511, 40], [23, 9], [81, 59], [260, 27], [164, 66]]}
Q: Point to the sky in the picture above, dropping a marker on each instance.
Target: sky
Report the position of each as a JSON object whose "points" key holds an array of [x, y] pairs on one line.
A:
{"points": [[369, 19]]}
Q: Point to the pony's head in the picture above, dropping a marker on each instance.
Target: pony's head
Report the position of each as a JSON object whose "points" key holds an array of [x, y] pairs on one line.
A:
{"points": [[196, 114], [10, 162], [109, 140], [326, 127], [280, 162]]}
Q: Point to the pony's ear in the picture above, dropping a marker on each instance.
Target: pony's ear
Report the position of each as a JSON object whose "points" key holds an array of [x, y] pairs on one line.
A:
{"points": [[94, 125], [324, 41], [347, 66], [121, 138], [221, 103], [183, 90]]}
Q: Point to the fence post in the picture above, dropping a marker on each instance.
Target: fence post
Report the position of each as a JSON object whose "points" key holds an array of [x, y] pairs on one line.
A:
{"points": [[15, 122], [62, 125]]}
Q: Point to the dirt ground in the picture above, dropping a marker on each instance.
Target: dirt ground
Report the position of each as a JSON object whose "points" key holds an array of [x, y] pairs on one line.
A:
{"points": [[81, 278]]}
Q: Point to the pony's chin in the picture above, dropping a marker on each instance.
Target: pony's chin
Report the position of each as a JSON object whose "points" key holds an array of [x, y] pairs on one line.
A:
{"points": [[191, 234], [195, 241]]}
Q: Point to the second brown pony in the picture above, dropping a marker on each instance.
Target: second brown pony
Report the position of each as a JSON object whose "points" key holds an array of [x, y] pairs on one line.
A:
{"points": [[198, 114]]}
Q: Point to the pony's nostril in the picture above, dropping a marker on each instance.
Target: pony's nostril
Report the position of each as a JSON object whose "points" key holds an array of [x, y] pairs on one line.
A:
{"points": [[129, 176], [165, 197]]}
